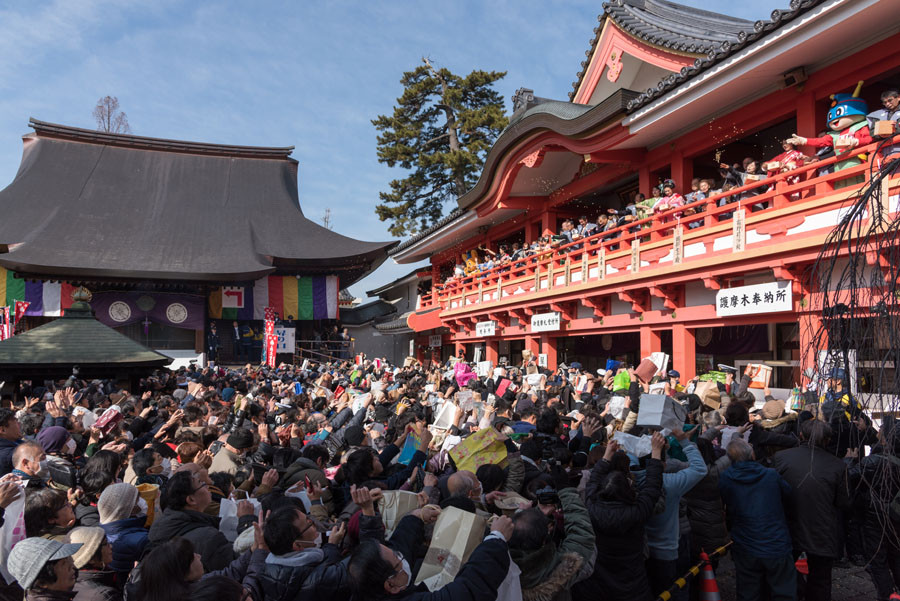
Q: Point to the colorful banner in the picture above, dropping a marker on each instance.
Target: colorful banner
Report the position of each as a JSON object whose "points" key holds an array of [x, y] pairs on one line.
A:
{"points": [[270, 340], [47, 299], [300, 298], [123, 308], [6, 326]]}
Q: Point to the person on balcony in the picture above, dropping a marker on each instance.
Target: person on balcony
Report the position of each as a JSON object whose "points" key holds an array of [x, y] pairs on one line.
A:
{"points": [[890, 101], [751, 172], [670, 201], [788, 160]]}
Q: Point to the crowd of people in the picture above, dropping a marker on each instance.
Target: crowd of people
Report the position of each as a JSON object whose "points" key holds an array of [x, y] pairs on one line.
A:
{"points": [[270, 485]]}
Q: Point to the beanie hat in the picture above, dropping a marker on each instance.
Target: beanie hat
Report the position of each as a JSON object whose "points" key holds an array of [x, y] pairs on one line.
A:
{"points": [[772, 409], [116, 502], [242, 438], [28, 558], [53, 439], [354, 435], [90, 538]]}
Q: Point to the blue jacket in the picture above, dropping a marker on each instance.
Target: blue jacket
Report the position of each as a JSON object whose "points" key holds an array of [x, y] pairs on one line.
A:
{"points": [[128, 539], [754, 499], [662, 528]]}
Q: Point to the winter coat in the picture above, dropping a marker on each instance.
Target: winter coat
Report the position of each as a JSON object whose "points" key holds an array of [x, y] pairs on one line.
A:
{"points": [[549, 572], [128, 538], [6, 452], [706, 512], [42, 594], [754, 498], [97, 585], [876, 481], [619, 571], [247, 570], [820, 494], [307, 574], [663, 528], [201, 529], [226, 461], [87, 515]]}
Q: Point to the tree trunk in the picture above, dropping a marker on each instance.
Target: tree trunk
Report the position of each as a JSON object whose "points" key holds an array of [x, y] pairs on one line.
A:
{"points": [[452, 129]]}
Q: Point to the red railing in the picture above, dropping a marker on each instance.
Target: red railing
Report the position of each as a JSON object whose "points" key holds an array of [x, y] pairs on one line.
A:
{"points": [[779, 193]]}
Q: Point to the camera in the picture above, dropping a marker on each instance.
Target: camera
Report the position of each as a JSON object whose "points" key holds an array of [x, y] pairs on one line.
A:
{"points": [[547, 496]]}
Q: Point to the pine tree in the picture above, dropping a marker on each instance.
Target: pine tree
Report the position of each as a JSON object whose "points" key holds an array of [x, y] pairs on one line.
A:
{"points": [[440, 132]]}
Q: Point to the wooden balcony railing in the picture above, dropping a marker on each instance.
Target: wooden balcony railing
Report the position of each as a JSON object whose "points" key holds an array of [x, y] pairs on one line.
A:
{"points": [[798, 191]]}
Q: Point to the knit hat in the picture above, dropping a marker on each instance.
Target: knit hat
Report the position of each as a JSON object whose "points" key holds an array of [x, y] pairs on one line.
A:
{"points": [[53, 439], [242, 438], [90, 538], [772, 409], [354, 435], [28, 558], [116, 502], [179, 394]]}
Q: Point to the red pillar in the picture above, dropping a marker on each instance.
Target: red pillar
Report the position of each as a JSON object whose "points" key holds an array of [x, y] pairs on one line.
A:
{"points": [[458, 346], [533, 344], [682, 172], [651, 341], [548, 347], [548, 222], [491, 351], [644, 183], [684, 348], [810, 325]]}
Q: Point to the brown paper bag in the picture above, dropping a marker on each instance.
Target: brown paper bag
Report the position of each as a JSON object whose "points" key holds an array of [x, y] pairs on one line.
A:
{"points": [[708, 391], [646, 370], [394, 505], [456, 534]]}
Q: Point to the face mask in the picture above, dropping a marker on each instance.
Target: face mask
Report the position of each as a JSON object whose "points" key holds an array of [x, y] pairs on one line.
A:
{"points": [[166, 467], [317, 542], [408, 573], [69, 446], [142, 507], [44, 471]]}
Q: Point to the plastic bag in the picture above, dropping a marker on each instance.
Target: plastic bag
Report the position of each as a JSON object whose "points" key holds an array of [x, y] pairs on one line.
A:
{"points": [[12, 532]]}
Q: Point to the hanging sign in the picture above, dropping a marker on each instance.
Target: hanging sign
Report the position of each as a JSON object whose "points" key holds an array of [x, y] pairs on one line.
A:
{"points": [[412, 348], [485, 328], [739, 231], [286, 340], [434, 341], [635, 255], [678, 246], [771, 297], [546, 322], [601, 264]]}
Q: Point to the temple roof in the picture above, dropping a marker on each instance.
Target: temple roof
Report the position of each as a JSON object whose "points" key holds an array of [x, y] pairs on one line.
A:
{"points": [[668, 25], [76, 338], [88, 205]]}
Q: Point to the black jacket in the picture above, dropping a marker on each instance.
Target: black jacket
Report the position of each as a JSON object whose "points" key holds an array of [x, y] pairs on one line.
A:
{"points": [[6, 452], [307, 574], [478, 580], [819, 495], [706, 512], [201, 529], [619, 570], [94, 585]]}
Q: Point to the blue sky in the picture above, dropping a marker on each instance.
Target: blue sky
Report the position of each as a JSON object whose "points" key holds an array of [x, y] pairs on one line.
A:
{"points": [[309, 74]]}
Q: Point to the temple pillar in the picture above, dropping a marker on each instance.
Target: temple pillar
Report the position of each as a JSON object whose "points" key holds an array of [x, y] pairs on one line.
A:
{"points": [[684, 348], [651, 341], [548, 347], [491, 351]]}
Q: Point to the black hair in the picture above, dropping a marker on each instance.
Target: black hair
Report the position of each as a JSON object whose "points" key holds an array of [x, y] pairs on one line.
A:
{"points": [[223, 481], [368, 570], [216, 587], [359, 466], [280, 531], [530, 530], [491, 476], [47, 575], [41, 506], [314, 452], [164, 571], [93, 482], [618, 487], [142, 461], [889, 93], [548, 422], [176, 491], [736, 415], [192, 413], [104, 461], [5, 416]]}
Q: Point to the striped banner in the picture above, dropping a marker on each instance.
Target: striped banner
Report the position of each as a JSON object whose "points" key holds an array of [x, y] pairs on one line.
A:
{"points": [[302, 298], [47, 299]]}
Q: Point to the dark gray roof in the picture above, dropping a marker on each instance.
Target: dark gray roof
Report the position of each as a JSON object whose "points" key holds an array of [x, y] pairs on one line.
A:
{"points": [[685, 29], [395, 326], [759, 30], [385, 287], [526, 104], [87, 205], [451, 216], [76, 338], [363, 314]]}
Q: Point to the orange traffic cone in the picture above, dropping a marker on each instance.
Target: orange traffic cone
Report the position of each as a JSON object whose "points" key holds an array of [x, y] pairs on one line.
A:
{"points": [[709, 588]]}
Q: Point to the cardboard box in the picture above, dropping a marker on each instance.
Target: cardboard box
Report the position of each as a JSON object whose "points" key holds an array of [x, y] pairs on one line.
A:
{"points": [[885, 128]]}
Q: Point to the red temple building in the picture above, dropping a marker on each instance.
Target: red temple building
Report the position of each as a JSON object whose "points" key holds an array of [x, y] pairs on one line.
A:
{"points": [[666, 92]]}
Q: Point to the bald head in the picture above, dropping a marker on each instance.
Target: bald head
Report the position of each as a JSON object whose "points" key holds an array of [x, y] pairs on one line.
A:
{"points": [[27, 457], [464, 484]]}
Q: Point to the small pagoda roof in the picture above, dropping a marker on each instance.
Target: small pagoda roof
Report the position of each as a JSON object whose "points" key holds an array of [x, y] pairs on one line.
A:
{"points": [[76, 338], [95, 206]]}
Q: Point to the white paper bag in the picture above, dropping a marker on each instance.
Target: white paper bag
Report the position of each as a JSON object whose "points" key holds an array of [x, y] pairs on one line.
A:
{"points": [[511, 587], [12, 532], [637, 446], [616, 406], [228, 518], [394, 505]]}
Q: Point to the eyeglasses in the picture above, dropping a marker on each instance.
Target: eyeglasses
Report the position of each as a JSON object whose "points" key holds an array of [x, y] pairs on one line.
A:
{"points": [[398, 568], [201, 487]]}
